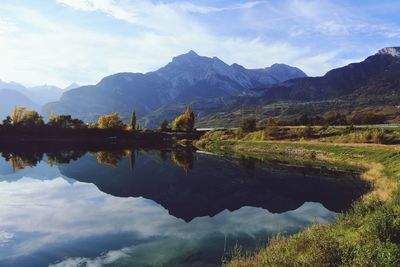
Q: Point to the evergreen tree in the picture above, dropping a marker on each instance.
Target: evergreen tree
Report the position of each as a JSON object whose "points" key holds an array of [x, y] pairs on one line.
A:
{"points": [[164, 125], [133, 121], [7, 121], [190, 118]]}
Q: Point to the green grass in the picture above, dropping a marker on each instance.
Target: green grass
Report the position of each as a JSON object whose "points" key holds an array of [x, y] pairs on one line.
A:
{"points": [[332, 134], [367, 235]]}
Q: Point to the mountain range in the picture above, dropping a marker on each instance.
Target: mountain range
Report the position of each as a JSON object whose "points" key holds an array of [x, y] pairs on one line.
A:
{"points": [[13, 94], [378, 74], [372, 85], [186, 78], [222, 94], [9, 99]]}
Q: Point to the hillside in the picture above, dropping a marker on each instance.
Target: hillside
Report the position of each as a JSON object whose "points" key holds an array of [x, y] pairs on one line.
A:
{"points": [[376, 75], [372, 85]]}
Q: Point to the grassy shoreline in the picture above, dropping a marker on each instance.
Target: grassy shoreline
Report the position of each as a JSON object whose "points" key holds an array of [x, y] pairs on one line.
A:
{"points": [[367, 235]]}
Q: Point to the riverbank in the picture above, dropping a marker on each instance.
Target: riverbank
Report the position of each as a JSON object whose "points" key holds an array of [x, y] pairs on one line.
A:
{"points": [[367, 235], [51, 135]]}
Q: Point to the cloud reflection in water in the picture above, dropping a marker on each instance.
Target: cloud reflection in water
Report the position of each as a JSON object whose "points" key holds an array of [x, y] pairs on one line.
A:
{"points": [[37, 216]]}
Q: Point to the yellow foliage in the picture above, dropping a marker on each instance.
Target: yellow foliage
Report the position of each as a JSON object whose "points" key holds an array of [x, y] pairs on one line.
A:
{"points": [[184, 122], [111, 121], [18, 114]]}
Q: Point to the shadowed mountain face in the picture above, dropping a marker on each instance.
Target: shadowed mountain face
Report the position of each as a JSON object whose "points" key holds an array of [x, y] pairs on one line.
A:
{"points": [[191, 185], [377, 75], [372, 85], [186, 78]]}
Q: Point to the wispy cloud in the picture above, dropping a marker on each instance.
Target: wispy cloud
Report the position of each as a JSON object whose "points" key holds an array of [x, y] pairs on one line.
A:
{"points": [[193, 8], [7, 26], [85, 40]]}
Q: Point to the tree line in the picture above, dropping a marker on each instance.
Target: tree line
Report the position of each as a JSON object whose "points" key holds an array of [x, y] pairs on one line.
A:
{"points": [[250, 124], [335, 119], [21, 117]]}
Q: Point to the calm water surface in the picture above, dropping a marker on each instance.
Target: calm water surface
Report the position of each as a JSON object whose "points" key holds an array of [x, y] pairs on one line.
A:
{"points": [[153, 208]]}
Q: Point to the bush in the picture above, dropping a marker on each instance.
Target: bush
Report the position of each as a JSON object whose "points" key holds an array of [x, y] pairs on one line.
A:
{"points": [[377, 136]]}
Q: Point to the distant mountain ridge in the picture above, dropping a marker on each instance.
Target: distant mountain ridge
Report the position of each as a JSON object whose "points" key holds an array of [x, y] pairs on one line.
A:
{"points": [[9, 99], [39, 94], [378, 74], [221, 94], [15, 94], [187, 77]]}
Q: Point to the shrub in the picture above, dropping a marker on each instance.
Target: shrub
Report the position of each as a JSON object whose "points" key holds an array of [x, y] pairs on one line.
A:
{"points": [[377, 136]]}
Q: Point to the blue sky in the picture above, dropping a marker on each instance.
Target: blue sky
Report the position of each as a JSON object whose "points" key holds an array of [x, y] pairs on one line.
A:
{"points": [[64, 41]]}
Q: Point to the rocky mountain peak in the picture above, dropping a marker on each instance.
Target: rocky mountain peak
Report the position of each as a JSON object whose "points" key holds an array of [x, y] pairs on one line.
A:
{"points": [[186, 78], [392, 51], [191, 53], [237, 66], [189, 56]]}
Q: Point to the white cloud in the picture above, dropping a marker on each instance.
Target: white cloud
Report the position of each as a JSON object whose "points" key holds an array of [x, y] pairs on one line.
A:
{"points": [[192, 8], [312, 35], [62, 212], [7, 26], [163, 251], [5, 238]]}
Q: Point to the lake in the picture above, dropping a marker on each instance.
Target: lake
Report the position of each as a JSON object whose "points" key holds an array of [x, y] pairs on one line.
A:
{"points": [[169, 207]]}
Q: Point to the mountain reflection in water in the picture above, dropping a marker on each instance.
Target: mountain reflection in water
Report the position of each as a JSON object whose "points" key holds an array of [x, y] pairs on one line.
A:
{"points": [[52, 212]]}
